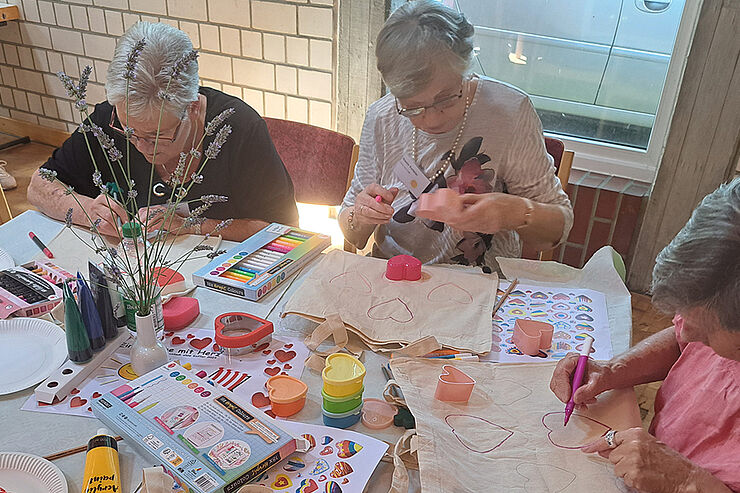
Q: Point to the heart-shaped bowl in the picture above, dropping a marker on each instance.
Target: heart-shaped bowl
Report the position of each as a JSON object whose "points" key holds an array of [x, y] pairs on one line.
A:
{"points": [[342, 404], [343, 375], [342, 420], [287, 395], [454, 385]]}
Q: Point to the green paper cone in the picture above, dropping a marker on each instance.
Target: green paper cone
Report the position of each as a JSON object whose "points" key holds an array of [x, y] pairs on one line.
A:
{"points": [[78, 344]]}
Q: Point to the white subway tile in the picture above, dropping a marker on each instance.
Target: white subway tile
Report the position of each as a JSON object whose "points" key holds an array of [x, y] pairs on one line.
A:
{"points": [[23, 116], [20, 99], [5, 112], [55, 124], [210, 83], [11, 55], [29, 80], [296, 50], [191, 29], [315, 21], [230, 42], [97, 19], [50, 107], [71, 67], [8, 75], [235, 91], [81, 2], [71, 127], [65, 110], [35, 35], [232, 12], [6, 96], [82, 62], [2, 54], [253, 97], [39, 60], [255, 74], [11, 32], [320, 114], [321, 54], [113, 4], [150, 18], [114, 22], [34, 104], [273, 47], [55, 62], [67, 41], [130, 19], [209, 37], [100, 71], [314, 84], [30, 11], [274, 105], [149, 6], [188, 9], [97, 46], [296, 109], [270, 16], [215, 67], [46, 11], [323, 2], [95, 93], [285, 78], [54, 87], [79, 17], [169, 22], [64, 18], [251, 44], [26, 57]]}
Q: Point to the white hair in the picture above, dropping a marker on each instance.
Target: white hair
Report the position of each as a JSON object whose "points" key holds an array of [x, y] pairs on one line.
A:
{"points": [[164, 46], [701, 265], [419, 37]]}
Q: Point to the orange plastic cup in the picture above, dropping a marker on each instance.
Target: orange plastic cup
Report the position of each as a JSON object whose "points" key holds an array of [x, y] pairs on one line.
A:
{"points": [[287, 395]]}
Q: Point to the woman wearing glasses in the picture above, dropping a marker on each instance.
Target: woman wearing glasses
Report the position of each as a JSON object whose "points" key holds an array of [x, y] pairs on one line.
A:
{"points": [[442, 126], [248, 170]]}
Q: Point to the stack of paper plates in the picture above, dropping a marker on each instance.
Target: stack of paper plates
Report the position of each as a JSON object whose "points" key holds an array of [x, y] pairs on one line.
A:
{"points": [[26, 473]]}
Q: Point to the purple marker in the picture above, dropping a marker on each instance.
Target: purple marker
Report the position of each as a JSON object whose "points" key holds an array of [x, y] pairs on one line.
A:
{"points": [[578, 376]]}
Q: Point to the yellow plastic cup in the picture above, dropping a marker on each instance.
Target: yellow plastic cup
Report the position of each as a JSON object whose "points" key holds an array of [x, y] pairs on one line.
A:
{"points": [[343, 375]]}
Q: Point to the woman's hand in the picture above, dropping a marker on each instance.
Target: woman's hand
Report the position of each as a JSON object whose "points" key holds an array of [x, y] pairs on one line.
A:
{"points": [[649, 465], [108, 212], [369, 211], [596, 380], [156, 217], [481, 213]]}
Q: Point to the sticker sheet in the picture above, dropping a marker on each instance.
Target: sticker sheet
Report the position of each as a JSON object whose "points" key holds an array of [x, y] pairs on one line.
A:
{"points": [[244, 376], [573, 313], [338, 461]]}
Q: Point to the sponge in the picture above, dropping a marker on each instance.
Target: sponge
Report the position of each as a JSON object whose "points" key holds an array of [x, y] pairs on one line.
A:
{"points": [[179, 312]]}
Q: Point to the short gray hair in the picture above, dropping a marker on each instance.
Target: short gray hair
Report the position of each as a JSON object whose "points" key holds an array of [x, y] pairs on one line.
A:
{"points": [[165, 45], [418, 37], [701, 265]]}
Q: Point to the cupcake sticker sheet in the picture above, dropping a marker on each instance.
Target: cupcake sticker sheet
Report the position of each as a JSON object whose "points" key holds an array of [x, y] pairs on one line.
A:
{"points": [[574, 314]]}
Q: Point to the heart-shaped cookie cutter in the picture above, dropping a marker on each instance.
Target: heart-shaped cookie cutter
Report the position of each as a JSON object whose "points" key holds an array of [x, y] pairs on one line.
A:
{"points": [[531, 336], [240, 333], [454, 385]]}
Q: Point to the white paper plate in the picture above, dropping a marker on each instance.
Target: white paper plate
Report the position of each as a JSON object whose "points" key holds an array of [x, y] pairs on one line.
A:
{"points": [[6, 261], [30, 349], [26, 473]]}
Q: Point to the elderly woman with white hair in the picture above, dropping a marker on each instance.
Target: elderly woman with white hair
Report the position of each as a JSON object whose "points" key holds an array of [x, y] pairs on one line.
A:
{"points": [[442, 126], [247, 170], [693, 443]]}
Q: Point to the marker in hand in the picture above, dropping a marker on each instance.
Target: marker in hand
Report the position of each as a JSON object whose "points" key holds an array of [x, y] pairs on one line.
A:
{"points": [[578, 376], [378, 199]]}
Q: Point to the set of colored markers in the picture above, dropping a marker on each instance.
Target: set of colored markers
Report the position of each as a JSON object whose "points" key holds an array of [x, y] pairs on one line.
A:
{"points": [[257, 262]]}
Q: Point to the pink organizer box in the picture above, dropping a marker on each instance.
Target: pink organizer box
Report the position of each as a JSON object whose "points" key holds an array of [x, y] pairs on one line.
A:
{"points": [[25, 294]]}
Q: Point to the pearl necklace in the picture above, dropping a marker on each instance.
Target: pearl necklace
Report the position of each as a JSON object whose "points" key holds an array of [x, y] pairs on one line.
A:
{"points": [[453, 151]]}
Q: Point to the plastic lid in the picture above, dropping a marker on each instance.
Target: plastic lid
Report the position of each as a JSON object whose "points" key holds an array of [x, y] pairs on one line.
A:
{"points": [[131, 230]]}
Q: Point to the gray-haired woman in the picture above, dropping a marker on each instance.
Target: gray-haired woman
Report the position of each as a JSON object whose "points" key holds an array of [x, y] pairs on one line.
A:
{"points": [[693, 443], [443, 126], [248, 170]]}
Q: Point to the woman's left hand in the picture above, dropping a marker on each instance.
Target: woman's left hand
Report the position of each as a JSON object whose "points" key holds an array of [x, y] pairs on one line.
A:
{"points": [[156, 217], [485, 213], [644, 462]]}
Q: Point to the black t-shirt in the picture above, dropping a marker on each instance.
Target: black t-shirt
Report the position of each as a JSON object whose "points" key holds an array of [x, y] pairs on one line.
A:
{"points": [[248, 169]]}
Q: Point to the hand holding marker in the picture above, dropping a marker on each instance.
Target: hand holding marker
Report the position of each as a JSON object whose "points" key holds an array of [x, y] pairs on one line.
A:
{"points": [[578, 376]]}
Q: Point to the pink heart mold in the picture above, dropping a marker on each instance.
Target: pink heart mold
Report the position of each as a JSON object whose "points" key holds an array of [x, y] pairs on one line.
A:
{"points": [[454, 385], [403, 267], [530, 336]]}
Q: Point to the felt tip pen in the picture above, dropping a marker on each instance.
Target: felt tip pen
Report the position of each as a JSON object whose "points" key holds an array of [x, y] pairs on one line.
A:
{"points": [[40, 244], [578, 376]]}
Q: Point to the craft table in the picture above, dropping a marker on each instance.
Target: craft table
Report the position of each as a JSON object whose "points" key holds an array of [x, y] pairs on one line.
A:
{"points": [[42, 434]]}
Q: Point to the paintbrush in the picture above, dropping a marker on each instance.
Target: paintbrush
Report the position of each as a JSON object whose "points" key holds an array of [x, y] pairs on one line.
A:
{"points": [[501, 300], [72, 451]]}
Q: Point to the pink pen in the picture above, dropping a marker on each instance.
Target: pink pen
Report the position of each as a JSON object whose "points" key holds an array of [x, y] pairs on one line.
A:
{"points": [[578, 376]]}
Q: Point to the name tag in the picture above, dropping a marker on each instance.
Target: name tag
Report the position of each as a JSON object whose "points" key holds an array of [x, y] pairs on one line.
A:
{"points": [[411, 176]]}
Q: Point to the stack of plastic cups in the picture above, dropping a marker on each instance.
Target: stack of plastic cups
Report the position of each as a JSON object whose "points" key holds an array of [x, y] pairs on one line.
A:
{"points": [[343, 387]]}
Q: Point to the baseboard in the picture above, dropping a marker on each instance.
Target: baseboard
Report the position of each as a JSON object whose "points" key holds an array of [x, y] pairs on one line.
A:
{"points": [[37, 133]]}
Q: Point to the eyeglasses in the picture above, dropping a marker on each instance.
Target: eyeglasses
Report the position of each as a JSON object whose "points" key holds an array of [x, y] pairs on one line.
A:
{"points": [[146, 140], [440, 105]]}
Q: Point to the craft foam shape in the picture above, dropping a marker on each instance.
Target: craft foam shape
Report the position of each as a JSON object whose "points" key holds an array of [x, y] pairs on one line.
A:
{"points": [[343, 375], [454, 385], [403, 267], [377, 414], [438, 205], [169, 280], [287, 394], [179, 312], [530, 336]]}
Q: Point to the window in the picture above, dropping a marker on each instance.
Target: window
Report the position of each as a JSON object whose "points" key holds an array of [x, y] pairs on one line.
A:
{"points": [[602, 74]]}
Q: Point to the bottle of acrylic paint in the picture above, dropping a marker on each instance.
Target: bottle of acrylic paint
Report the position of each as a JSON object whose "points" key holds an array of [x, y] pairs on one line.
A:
{"points": [[102, 472]]}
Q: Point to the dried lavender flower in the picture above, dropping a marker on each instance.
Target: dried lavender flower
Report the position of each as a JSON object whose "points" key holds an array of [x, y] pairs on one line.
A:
{"points": [[48, 174], [215, 146], [210, 199], [216, 121], [202, 248], [133, 59], [183, 62], [196, 178], [195, 153], [97, 179], [68, 218], [132, 193], [215, 253], [221, 226]]}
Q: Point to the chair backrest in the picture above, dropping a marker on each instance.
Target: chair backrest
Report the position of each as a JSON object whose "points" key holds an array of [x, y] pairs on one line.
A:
{"points": [[319, 161], [5, 214], [563, 159]]}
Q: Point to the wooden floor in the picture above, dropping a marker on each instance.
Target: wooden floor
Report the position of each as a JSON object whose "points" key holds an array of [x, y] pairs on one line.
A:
{"points": [[23, 160]]}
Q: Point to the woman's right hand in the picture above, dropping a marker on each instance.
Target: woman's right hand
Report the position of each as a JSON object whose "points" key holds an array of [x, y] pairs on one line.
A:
{"points": [[369, 211], [595, 380], [108, 211]]}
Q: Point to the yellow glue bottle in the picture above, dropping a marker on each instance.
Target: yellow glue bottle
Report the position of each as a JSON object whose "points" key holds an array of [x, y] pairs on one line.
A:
{"points": [[102, 472]]}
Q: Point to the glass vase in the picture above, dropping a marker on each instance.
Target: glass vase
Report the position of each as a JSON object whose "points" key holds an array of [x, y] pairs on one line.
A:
{"points": [[147, 352]]}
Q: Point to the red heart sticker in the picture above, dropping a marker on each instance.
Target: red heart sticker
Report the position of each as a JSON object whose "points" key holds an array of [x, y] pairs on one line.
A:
{"points": [[287, 366], [201, 343], [216, 348], [96, 395], [260, 400], [77, 402], [178, 340], [288, 346], [190, 336], [89, 409], [74, 391], [169, 334], [262, 346], [322, 478], [266, 352], [327, 450], [271, 361], [270, 413], [272, 371], [345, 481], [284, 356]]}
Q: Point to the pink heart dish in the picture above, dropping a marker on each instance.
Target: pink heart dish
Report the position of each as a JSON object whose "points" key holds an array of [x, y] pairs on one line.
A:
{"points": [[403, 267], [454, 385], [531, 336], [439, 204]]}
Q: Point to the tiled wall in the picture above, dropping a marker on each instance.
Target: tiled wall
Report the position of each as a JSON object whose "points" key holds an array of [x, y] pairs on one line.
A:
{"points": [[277, 55]]}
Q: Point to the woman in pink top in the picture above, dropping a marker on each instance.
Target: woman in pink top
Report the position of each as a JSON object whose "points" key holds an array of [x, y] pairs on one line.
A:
{"points": [[694, 440]]}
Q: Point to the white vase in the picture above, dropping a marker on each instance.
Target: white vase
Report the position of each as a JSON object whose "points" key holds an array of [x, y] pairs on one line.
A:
{"points": [[147, 353]]}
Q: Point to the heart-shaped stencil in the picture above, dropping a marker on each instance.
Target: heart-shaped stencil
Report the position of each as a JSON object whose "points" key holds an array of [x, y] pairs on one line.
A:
{"points": [[201, 343], [544, 477], [260, 400], [394, 309], [477, 434], [77, 401], [450, 292], [352, 281], [581, 430], [283, 356]]}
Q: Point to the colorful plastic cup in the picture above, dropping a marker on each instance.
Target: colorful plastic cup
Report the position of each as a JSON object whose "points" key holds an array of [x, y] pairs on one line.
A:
{"points": [[342, 420], [377, 414], [287, 395], [343, 375], [342, 404]]}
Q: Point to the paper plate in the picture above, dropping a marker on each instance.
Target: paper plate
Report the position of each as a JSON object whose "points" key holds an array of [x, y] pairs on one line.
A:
{"points": [[30, 349], [26, 473], [6, 261]]}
